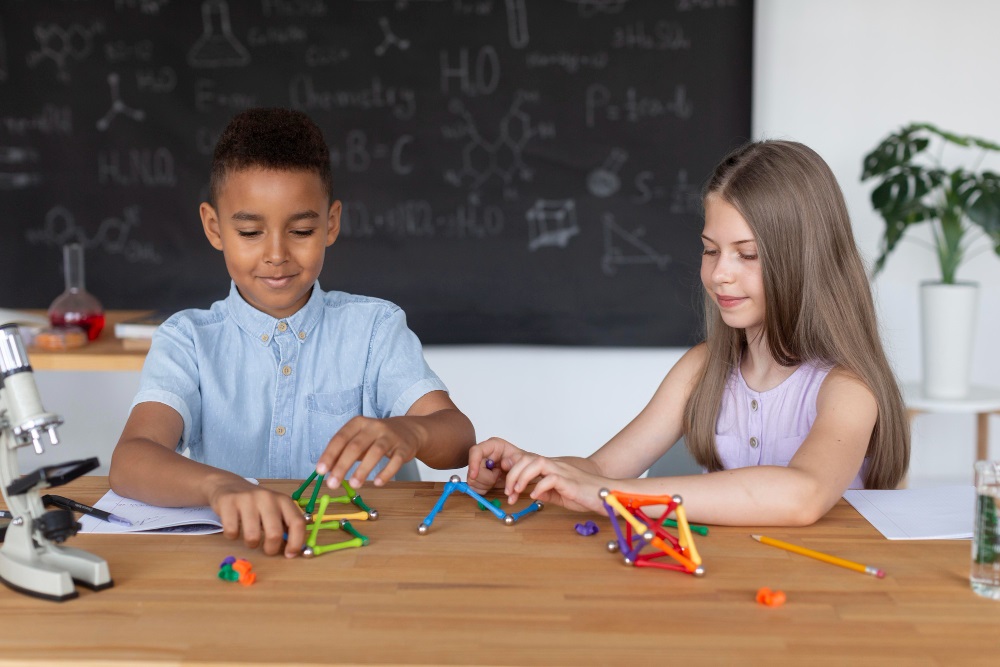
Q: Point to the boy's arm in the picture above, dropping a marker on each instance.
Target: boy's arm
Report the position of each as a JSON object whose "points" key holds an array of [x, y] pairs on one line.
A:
{"points": [[145, 466], [433, 430]]}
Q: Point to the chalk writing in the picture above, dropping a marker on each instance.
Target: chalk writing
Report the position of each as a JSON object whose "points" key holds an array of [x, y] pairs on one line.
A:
{"points": [[136, 166], [305, 96], [50, 120], [600, 104], [217, 46], [207, 98], [479, 78], [662, 36], [571, 62]]}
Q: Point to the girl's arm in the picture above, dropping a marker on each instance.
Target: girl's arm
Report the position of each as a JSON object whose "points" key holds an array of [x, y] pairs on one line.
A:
{"points": [[629, 453], [799, 494]]}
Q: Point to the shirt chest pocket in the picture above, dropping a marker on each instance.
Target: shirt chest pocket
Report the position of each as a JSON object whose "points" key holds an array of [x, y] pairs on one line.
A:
{"points": [[327, 414]]}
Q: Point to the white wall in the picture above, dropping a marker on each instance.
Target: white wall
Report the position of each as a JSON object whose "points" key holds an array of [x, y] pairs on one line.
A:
{"points": [[839, 75], [835, 74]]}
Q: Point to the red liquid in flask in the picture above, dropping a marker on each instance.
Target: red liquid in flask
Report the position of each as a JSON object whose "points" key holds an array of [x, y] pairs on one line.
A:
{"points": [[92, 323]]}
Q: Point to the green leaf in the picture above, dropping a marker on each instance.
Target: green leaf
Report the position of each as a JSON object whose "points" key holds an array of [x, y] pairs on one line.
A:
{"points": [[896, 150], [984, 209]]}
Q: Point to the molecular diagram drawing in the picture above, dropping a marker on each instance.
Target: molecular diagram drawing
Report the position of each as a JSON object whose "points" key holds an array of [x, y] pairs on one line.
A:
{"points": [[389, 39], [501, 158], [117, 106], [60, 45], [551, 223], [627, 248]]}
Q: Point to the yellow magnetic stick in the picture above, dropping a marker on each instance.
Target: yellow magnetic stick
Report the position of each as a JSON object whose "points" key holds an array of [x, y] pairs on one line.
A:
{"points": [[639, 526], [687, 540], [356, 516]]}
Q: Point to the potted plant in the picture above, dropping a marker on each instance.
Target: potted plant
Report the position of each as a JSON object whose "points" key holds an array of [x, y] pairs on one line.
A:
{"points": [[962, 205]]}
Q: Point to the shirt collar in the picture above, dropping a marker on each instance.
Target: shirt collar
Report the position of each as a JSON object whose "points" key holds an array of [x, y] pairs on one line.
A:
{"points": [[263, 328]]}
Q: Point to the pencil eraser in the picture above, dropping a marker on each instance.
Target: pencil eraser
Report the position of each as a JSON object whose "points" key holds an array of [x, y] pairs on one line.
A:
{"points": [[880, 574]]}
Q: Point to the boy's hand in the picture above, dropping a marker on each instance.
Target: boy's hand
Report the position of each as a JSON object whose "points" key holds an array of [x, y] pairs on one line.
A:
{"points": [[503, 455], [366, 440], [261, 515]]}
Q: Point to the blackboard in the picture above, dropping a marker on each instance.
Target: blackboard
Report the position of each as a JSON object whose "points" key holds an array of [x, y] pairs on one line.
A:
{"points": [[512, 171]]}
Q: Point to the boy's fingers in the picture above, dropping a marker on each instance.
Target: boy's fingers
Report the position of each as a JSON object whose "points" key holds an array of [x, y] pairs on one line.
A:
{"points": [[274, 529], [230, 521], [395, 463], [336, 445], [250, 520], [367, 463], [296, 524]]}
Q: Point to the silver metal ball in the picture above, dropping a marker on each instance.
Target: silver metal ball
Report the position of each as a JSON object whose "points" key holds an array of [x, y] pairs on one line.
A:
{"points": [[454, 479], [373, 514], [699, 571], [677, 499], [612, 546], [603, 493], [626, 560], [540, 506], [307, 552], [308, 517], [422, 529], [648, 536], [509, 520]]}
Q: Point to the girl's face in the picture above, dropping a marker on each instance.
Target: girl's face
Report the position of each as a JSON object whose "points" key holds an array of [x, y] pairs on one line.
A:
{"points": [[730, 269]]}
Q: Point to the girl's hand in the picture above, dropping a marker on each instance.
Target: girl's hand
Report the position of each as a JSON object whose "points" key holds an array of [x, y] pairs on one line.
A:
{"points": [[503, 454], [262, 516], [560, 482]]}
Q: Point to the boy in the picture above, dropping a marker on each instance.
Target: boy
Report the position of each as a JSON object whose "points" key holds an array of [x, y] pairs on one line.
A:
{"points": [[280, 377]]}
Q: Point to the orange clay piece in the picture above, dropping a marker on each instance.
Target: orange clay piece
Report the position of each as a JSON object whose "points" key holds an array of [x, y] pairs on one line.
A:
{"points": [[769, 598], [247, 578], [242, 566]]}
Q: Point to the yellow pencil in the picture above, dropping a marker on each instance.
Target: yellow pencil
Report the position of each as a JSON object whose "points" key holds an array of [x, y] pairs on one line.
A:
{"points": [[850, 565]]}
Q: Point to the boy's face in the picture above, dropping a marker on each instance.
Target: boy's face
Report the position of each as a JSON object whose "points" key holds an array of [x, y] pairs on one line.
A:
{"points": [[273, 228]]}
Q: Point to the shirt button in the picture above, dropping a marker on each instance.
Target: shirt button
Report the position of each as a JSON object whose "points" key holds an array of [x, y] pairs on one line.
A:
{"points": [[264, 337], [282, 326], [280, 430], [753, 443], [287, 370], [754, 405], [302, 335]]}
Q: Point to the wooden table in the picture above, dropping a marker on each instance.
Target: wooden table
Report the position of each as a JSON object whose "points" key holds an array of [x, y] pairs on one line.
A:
{"points": [[474, 591], [104, 354]]}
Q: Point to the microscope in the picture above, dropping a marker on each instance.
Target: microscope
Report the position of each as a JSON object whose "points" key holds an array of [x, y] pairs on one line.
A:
{"points": [[31, 560]]}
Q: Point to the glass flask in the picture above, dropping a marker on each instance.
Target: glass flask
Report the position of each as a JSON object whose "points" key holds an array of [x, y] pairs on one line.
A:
{"points": [[76, 306]]}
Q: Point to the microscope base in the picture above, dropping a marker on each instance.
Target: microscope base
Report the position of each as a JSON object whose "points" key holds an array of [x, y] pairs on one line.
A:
{"points": [[51, 574]]}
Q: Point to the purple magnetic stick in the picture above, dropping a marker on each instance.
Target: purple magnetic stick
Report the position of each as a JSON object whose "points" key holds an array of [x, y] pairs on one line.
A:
{"points": [[490, 464], [585, 529]]}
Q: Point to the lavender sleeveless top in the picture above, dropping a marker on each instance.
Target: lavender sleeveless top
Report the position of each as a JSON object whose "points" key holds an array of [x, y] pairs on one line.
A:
{"points": [[767, 427]]}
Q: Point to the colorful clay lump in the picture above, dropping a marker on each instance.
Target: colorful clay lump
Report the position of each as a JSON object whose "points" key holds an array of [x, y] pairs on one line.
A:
{"points": [[642, 531], [309, 505], [455, 483], [237, 569], [311, 547]]}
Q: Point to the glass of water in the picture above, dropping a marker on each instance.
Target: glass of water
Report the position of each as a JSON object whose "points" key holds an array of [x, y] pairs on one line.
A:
{"points": [[985, 574]]}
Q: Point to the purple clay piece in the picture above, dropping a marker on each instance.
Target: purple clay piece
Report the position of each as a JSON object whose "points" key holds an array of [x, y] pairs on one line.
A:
{"points": [[585, 529], [490, 465], [228, 560]]}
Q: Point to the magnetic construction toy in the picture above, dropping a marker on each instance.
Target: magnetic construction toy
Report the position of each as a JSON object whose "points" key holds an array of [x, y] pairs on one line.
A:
{"points": [[456, 484], [320, 520], [648, 533]]}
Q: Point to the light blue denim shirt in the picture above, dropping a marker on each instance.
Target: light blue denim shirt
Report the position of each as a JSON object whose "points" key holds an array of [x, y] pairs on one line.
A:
{"points": [[262, 397]]}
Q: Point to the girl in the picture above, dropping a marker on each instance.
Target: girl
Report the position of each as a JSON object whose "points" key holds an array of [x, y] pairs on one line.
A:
{"points": [[789, 401]]}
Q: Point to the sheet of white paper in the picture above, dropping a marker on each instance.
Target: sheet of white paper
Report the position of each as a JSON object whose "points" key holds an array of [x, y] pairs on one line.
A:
{"points": [[152, 520], [933, 513]]}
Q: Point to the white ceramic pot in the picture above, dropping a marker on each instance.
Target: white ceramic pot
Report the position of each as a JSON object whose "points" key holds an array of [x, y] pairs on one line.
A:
{"points": [[948, 326]]}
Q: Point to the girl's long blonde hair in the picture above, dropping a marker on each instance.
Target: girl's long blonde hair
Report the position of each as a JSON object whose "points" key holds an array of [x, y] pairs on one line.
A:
{"points": [[819, 304]]}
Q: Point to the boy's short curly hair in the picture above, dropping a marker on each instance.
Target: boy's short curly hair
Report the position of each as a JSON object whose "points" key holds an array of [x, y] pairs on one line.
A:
{"points": [[270, 138]]}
